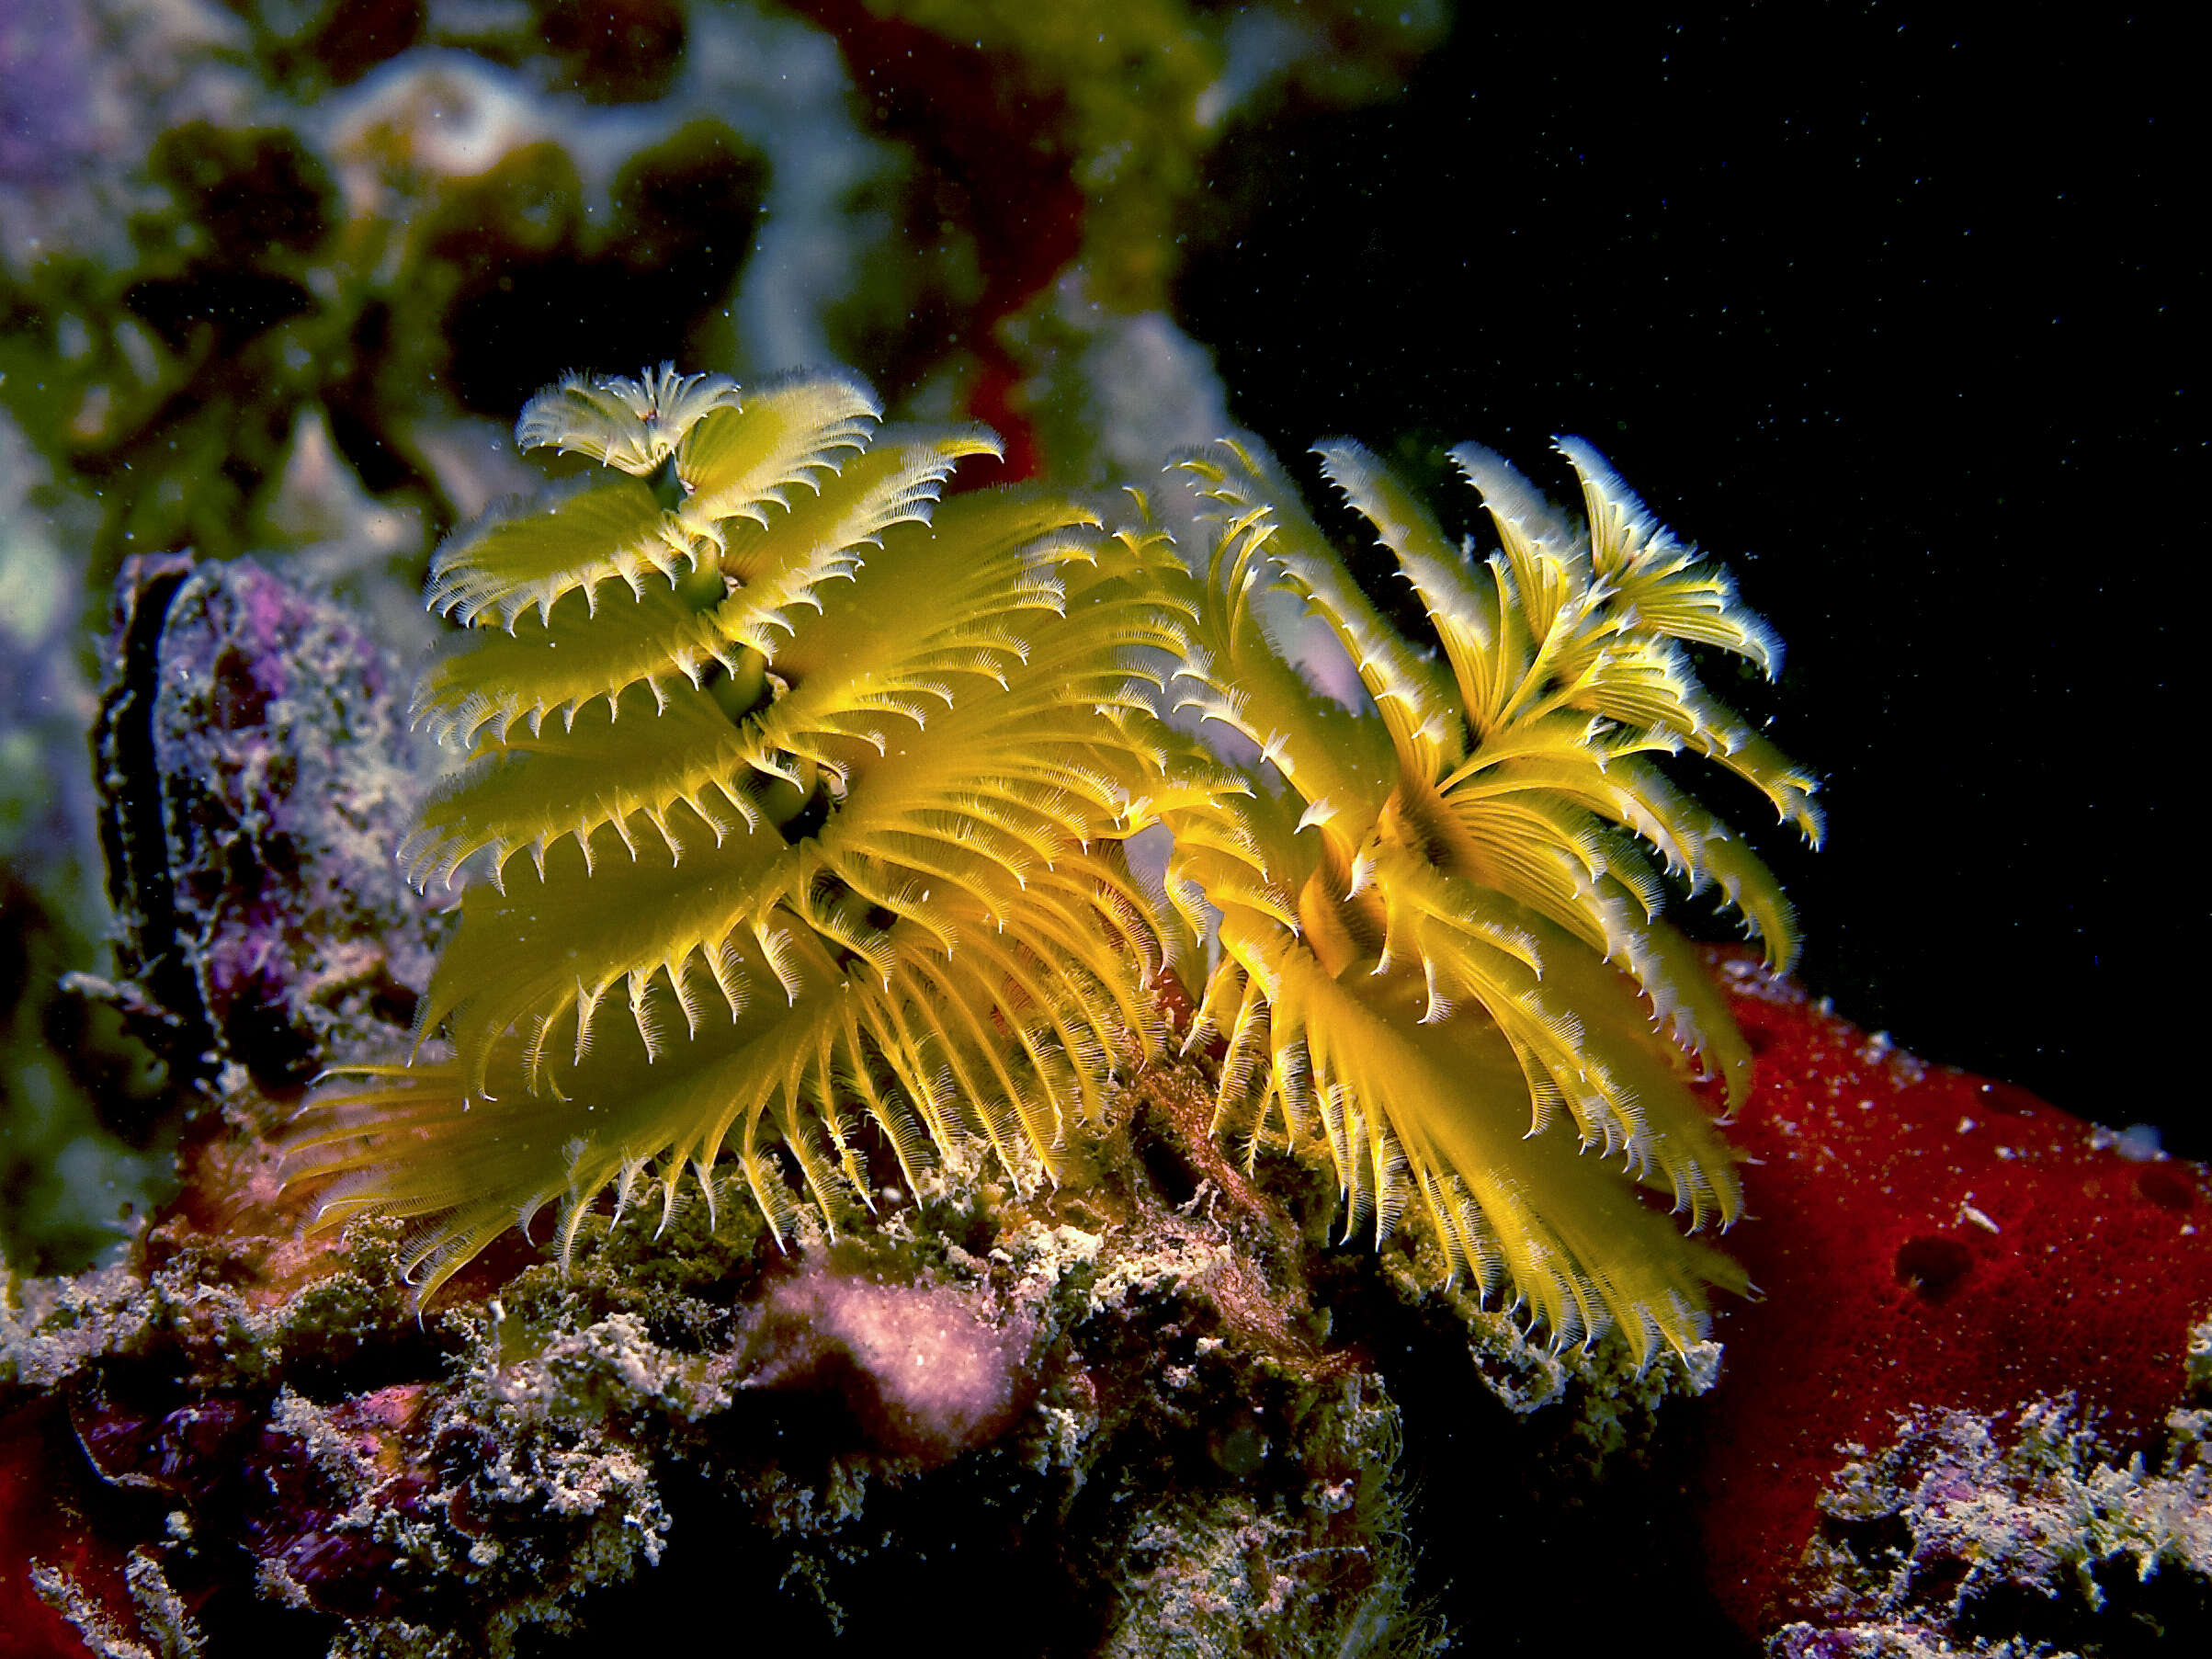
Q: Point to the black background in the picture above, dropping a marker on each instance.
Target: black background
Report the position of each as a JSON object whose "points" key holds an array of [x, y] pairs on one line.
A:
{"points": [[1897, 314]]}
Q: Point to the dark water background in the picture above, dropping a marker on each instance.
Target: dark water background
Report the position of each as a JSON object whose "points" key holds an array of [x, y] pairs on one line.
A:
{"points": [[1900, 311]]}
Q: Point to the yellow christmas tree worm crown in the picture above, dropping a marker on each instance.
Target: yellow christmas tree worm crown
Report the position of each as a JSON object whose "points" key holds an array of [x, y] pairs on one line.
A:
{"points": [[795, 802], [820, 794], [1439, 927]]}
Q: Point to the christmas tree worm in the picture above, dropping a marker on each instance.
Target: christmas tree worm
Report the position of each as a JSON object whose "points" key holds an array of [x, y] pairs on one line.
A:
{"points": [[796, 801]]}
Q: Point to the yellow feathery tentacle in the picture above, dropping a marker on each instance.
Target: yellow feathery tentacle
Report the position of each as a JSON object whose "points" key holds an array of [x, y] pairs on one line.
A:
{"points": [[632, 425]]}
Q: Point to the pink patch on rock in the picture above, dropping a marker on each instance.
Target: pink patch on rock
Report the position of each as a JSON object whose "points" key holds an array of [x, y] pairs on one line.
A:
{"points": [[1923, 1239], [924, 1369]]}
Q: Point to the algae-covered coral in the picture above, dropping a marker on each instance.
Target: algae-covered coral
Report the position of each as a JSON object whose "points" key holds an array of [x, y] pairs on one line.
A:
{"points": [[2039, 1520], [831, 797]]}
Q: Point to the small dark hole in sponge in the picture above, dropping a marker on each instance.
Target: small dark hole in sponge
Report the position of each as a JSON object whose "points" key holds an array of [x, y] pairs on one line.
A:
{"points": [[2166, 1187], [1934, 1266]]}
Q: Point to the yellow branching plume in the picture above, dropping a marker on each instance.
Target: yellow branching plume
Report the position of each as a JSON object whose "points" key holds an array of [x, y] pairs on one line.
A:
{"points": [[798, 804], [793, 808], [1442, 967]]}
